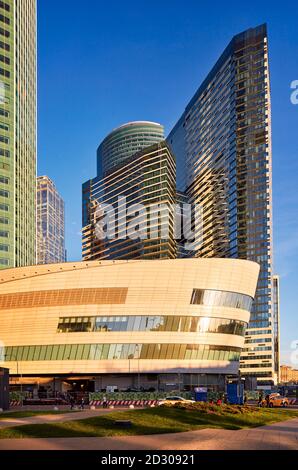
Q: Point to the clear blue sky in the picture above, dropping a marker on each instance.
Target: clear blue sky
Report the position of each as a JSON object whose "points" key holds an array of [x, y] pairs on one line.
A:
{"points": [[101, 64]]}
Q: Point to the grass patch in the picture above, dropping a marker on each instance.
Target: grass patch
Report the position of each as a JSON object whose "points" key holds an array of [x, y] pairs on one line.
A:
{"points": [[151, 421], [29, 414]]}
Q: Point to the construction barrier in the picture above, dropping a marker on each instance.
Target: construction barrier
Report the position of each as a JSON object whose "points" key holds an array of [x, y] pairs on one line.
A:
{"points": [[123, 402]]}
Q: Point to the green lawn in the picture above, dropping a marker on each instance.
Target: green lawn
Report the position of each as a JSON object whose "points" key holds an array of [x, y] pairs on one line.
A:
{"points": [[28, 414], [150, 421]]}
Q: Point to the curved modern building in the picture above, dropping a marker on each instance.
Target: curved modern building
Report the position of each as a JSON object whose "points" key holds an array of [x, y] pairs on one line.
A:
{"points": [[126, 322], [125, 141]]}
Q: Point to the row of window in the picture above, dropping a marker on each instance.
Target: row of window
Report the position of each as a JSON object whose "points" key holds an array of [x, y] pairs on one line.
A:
{"points": [[5, 6], [4, 32], [255, 366], [217, 298], [152, 323], [95, 352]]}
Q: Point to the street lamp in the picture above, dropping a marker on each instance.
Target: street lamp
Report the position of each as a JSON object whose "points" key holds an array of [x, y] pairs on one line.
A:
{"points": [[138, 350], [17, 362]]}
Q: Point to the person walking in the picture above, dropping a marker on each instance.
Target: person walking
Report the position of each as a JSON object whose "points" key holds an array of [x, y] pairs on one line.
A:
{"points": [[82, 403], [104, 403], [267, 400], [72, 402]]}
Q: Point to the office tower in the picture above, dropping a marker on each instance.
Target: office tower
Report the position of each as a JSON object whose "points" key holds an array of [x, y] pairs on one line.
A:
{"points": [[17, 132], [124, 141], [50, 223], [147, 178], [276, 322], [222, 145]]}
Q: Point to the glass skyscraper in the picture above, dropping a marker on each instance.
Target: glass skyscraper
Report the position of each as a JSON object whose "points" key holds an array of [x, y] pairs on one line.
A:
{"points": [[135, 164], [50, 223], [17, 132], [222, 145], [147, 178], [124, 141]]}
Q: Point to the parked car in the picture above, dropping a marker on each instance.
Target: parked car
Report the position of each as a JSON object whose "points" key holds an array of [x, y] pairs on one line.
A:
{"points": [[174, 399], [275, 399]]}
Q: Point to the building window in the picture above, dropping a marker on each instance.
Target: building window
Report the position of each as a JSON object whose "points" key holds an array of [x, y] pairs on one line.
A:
{"points": [[4, 262], [216, 298], [4, 247], [152, 323], [4, 179], [4, 153], [97, 352], [4, 193], [4, 33], [4, 6]]}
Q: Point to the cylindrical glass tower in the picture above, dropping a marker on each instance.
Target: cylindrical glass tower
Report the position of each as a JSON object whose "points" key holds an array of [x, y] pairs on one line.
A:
{"points": [[124, 141]]}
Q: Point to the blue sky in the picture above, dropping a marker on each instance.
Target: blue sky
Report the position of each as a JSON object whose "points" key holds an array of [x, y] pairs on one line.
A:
{"points": [[101, 64]]}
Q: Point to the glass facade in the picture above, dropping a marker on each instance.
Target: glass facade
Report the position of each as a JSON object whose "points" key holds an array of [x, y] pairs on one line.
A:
{"points": [[124, 142], [152, 323], [147, 178], [222, 144], [50, 223], [95, 352], [18, 131], [217, 298]]}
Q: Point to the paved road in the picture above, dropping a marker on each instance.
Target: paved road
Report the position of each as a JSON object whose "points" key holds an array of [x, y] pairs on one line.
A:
{"points": [[283, 435], [54, 418]]}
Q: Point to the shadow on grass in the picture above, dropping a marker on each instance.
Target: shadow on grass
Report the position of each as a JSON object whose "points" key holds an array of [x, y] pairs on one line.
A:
{"points": [[145, 422]]}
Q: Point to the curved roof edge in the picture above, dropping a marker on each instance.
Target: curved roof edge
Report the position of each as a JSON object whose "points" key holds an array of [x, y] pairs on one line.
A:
{"points": [[131, 124], [14, 274]]}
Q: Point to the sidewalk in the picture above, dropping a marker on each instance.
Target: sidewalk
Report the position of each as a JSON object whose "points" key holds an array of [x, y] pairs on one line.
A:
{"points": [[278, 436]]}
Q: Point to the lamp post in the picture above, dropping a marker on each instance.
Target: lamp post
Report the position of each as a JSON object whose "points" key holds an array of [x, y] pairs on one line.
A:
{"points": [[17, 362], [138, 350]]}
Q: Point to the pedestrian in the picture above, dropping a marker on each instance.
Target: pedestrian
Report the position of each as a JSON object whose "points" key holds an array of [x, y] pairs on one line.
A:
{"points": [[260, 399], [82, 403], [72, 402], [104, 403], [267, 400]]}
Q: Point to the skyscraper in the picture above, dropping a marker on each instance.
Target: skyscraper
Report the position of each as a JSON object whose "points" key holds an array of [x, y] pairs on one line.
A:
{"points": [[50, 223], [276, 322], [145, 183], [134, 164], [17, 132], [222, 145], [125, 141]]}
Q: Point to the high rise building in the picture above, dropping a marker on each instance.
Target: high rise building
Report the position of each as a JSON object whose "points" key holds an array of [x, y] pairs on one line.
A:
{"points": [[147, 178], [222, 145], [134, 164], [17, 132], [50, 223], [276, 323], [124, 141]]}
